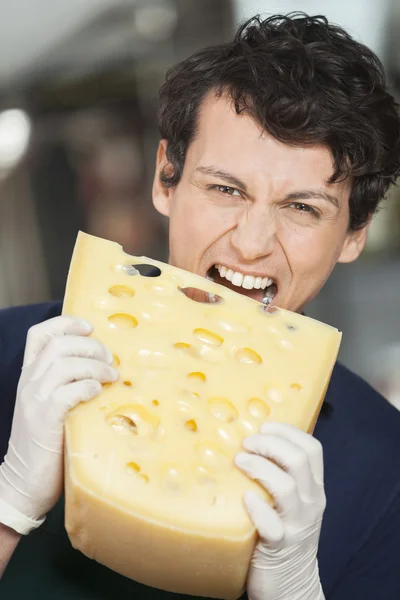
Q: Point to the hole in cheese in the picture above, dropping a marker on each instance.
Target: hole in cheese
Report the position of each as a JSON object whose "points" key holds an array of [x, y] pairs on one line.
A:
{"points": [[126, 269], [228, 435], [133, 418], [132, 467], [296, 386], [174, 479], [122, 424], [121, 291], [122, 321], [197, 376], [144, 477], [201, 296], [191, 425], [155, 402], [116, 361], [213, 457], [223, 410], [248, 356], [258, 408], [206, 352], [275, 395], [148, 270], [181, 346], [202, 475], [208, 337], [128, 383]]}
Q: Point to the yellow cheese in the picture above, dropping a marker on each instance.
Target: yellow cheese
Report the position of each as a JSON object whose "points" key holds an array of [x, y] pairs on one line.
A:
{"points": [[151, 488]]}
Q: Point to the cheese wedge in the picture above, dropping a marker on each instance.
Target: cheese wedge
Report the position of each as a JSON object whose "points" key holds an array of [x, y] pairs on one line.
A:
{"points": [[150, 485]]}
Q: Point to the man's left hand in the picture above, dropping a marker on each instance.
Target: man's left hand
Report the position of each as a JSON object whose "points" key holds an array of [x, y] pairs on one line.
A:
{"points": [[288, 463]]}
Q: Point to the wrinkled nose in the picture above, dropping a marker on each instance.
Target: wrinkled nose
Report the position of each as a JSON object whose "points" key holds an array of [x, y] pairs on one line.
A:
{"points": [[255, 234]]}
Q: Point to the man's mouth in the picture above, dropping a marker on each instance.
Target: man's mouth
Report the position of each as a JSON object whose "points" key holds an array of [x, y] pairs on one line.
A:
{"points": [[259, 287]]}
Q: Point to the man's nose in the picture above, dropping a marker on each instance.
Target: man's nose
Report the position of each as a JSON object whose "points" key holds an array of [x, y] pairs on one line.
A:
{"points": [[255, 233]]}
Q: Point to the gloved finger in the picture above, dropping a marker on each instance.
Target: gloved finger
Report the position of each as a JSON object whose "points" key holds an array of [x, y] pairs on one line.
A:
{"points": [[265, 519], [311, 446], [279, 484], [63, 399], [39, 335], [68, 370], [287, 455], [70, 345], [68, 396]]}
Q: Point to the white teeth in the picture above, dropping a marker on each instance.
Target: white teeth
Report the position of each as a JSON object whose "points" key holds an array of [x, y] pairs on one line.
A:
{"points": [[248, 282], [265, 282], [237, 279]]}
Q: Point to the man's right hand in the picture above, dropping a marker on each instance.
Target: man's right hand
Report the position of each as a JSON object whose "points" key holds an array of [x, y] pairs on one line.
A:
{"points": [[62, 367]]}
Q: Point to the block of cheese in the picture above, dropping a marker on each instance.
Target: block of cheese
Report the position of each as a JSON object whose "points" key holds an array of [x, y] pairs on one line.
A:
{"points": [[151, 490]]}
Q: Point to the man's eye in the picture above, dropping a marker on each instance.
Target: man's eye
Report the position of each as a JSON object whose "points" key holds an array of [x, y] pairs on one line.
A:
{"points": [[226, 189], [306, 208]]}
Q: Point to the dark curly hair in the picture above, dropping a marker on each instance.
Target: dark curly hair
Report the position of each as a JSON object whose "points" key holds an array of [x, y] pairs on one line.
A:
{"points": [[306, 82]]}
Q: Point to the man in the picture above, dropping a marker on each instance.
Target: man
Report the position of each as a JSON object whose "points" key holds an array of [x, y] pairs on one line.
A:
{"points": [[275, 151]]}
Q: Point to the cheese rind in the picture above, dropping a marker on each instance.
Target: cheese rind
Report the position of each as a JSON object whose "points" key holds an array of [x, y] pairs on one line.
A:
{"points": [[150, 484]]}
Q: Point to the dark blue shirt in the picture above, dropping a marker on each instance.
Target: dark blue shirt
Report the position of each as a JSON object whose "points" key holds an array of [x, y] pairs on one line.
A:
{"points": [[359, 550]]}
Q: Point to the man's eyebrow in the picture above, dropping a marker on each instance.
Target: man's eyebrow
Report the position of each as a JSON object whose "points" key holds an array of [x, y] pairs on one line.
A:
{"points": [[314, 194], [228, 177]]}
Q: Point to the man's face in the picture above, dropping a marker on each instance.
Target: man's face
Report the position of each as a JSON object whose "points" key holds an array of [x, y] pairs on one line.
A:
{"points": [[255, 211]]}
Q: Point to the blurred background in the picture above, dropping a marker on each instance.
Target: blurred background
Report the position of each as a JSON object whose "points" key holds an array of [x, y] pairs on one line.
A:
{"points": [[78, 135]]}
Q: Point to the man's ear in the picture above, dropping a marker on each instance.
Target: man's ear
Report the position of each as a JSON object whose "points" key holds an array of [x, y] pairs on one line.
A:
{"points": [[162, 194], [354, 244]]}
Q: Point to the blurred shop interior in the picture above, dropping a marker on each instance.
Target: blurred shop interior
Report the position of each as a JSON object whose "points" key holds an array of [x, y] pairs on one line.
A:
{"points": [[78, 135]]}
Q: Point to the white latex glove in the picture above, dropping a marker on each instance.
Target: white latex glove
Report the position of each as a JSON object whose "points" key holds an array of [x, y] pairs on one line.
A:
{"points": [[288, 463], [61, 368]]}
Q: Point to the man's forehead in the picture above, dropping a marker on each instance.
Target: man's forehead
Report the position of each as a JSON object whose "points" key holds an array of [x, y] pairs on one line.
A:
{"points": [[220, 107], [229, 142], [219, 122]]}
